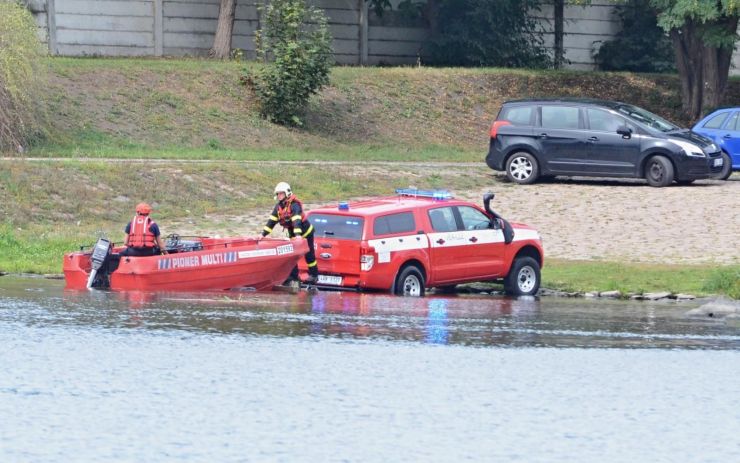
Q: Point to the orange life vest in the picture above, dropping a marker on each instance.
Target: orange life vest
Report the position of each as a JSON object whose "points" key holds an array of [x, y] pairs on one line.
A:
{"points": [[284, 212], [139, 235]]}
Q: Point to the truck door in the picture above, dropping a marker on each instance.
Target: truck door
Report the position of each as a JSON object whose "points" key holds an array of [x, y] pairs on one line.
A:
{"points": [[445, 242], [483, 246]]}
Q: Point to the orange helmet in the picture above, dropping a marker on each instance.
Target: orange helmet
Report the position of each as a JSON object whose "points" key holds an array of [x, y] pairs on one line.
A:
{"points": [[143, 209]]}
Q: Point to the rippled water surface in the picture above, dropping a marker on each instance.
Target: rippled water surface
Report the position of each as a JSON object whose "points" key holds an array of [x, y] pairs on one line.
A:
{"points": [[335, 376]]}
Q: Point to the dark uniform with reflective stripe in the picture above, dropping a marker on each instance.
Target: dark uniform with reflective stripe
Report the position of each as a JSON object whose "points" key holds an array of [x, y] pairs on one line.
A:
{"points": [[289, 213]]}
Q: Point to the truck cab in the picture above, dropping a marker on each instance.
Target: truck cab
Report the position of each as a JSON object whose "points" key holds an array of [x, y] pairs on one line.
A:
{"points": [[419, 239]]}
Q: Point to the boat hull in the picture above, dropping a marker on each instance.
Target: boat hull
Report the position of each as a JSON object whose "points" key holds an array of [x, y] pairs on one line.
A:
{"points": [[225, 263]]}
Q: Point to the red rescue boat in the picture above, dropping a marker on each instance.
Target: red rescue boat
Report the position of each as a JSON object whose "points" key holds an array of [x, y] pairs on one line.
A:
{"points": [[190, 265]]}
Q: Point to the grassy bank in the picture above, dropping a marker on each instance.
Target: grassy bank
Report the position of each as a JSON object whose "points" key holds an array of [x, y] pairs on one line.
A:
{"points": [[641, 278], [200, 109], [184, 110]]}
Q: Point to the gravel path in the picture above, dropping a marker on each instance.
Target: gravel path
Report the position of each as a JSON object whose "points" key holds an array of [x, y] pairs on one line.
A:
{"points": [[630, 221]]}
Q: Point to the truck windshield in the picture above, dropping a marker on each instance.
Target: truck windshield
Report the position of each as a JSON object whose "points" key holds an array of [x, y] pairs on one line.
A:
{"points": [[337, 226]]}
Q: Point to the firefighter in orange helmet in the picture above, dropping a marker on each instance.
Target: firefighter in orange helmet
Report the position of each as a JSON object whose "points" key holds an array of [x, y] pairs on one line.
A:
{"points": [[288, 212], [142, 234]]}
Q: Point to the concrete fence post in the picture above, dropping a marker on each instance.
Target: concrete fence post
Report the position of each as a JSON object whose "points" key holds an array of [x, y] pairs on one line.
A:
{"points": [[362, 19], [158, 28], [51, 21]]}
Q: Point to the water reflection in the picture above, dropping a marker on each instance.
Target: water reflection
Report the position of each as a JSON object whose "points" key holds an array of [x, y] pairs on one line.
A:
{"points": [[437, 321], [476, 320]]}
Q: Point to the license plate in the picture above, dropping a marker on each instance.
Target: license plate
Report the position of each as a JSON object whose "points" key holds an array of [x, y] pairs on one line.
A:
{"points": [[329, 280], [717, 162]]}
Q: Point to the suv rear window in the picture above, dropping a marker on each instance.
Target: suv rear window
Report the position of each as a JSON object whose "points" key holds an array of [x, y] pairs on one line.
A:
{"points": [[518, 115], [337, 226], [402, 222]]}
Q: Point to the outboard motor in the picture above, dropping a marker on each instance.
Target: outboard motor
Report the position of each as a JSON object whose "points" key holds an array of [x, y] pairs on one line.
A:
{"points": [[505, 226], [101, 253]]}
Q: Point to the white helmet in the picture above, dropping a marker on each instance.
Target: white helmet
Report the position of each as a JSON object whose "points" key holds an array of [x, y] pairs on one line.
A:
{"points": [[283, 187]]}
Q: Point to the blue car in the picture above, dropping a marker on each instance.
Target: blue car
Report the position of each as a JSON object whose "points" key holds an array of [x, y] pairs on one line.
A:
{"points": [[723, 126]]}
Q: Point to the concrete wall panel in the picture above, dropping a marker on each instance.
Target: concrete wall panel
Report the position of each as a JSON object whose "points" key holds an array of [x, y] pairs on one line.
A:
{"points": [[105, 7]]}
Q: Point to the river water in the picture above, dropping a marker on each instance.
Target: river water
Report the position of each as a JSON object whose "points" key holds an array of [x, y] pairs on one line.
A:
{"points": [[333, 376]]}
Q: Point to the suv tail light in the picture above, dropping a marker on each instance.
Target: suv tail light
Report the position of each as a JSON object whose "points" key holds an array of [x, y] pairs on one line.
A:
{"points": [[496, 125], [367, 259]]}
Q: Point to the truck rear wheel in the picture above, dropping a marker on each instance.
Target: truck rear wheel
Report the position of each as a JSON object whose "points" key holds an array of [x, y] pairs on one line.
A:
{"points": [[410, 282]]}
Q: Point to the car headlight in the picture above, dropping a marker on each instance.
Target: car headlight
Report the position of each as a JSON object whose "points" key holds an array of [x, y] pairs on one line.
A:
{"points": [[690, 149]]}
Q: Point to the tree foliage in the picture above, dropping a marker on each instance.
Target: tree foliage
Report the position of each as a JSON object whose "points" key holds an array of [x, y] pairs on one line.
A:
{"points": [[20, 77], [487, 33], [640, 46], [478, 32], [295, 46], [703, 33]]}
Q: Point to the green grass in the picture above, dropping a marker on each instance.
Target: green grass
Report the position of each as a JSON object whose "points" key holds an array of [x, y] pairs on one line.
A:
{"points": [[641, 278], [99, 145], [37, 250]]}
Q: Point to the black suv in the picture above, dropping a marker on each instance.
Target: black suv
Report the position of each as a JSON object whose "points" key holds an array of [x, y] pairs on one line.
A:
{"points": [[595, 138]]}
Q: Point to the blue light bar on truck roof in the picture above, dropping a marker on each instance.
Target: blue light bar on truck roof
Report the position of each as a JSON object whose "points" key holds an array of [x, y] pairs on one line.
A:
{"points": [[434, 194]]}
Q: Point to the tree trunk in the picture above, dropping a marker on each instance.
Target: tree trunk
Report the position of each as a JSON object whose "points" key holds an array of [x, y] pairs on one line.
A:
{"points": [[222, 42], [717, 69], [703, 69], [431, 13], [559, 50]]}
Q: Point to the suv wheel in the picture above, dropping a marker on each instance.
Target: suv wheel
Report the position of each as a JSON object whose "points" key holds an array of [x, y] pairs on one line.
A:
{"points": [[726, 167], [522, 168], [659, 171], [523, 278], [410, 282]]}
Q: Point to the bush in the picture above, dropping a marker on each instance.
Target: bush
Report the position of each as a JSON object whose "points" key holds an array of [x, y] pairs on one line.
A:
{"points": [[488, 33], [20, 66], [725, 281], [641, 46], [296, 46]]}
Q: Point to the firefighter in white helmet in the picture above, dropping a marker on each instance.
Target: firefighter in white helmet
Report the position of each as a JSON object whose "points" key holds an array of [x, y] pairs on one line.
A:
{"points": [[289, 213]]}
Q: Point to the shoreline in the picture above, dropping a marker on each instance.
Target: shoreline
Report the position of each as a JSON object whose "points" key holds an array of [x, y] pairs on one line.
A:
{"points": [[481, 288]]}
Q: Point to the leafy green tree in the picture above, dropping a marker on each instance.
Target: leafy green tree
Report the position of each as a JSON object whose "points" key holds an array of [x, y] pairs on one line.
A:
{"points": [[20, 77], [295, 46], [640, 46], [487, 33], [378, 6], [478, 32], [704, 33]]}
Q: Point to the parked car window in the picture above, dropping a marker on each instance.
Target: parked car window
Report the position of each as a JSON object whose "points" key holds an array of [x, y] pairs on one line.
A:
{"points": [[394, 223], [337, 226], [734, 123], [518, 115], [647, 118], [717, 121], [559, 117], [473, 219], [604, 121], [443, 219]]}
